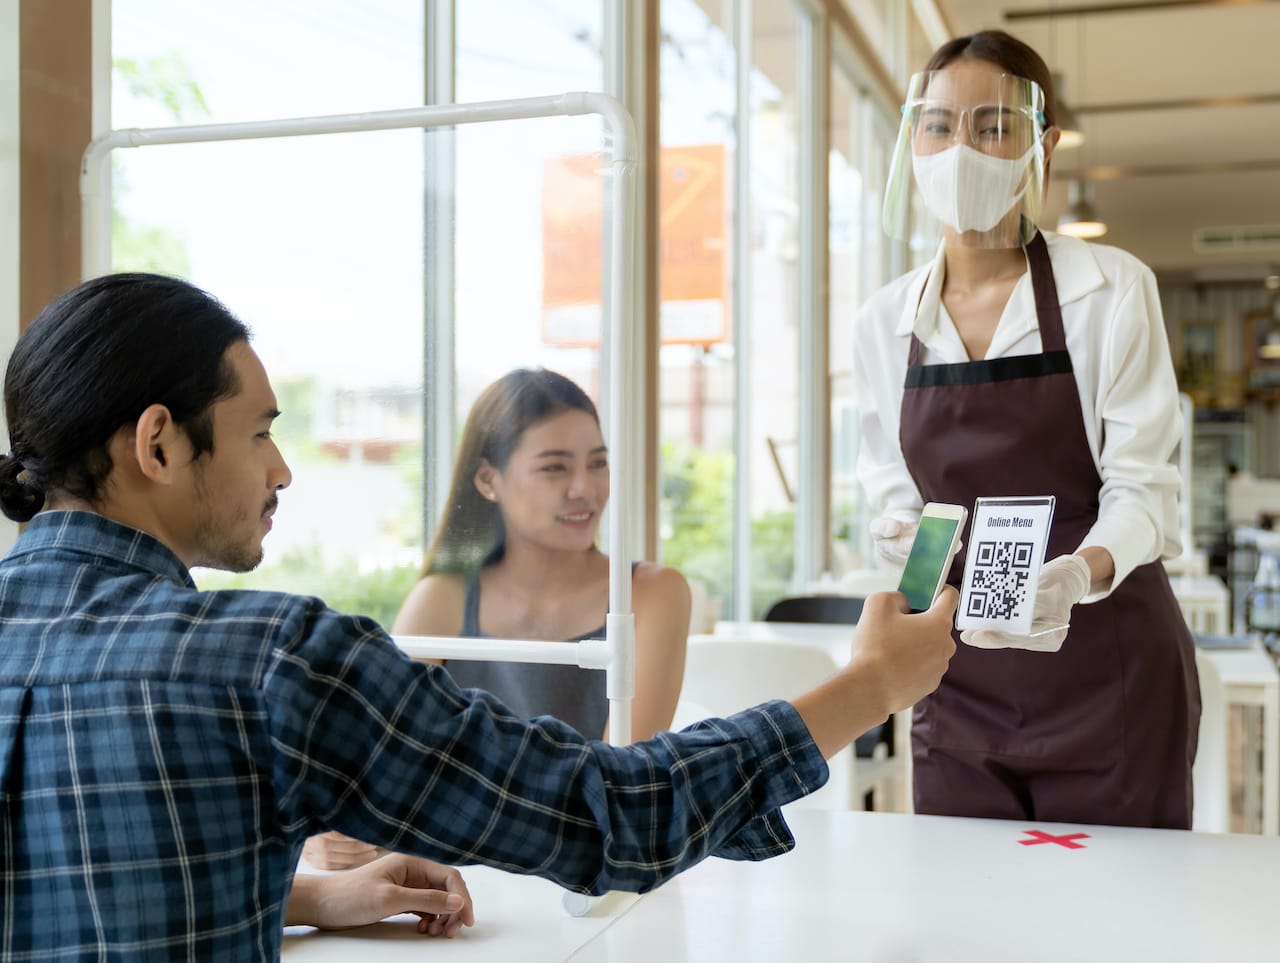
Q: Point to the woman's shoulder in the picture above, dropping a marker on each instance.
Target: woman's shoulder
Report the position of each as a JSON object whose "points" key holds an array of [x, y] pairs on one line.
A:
{"points": [[654, 582], [662, 601], [1115, 264], [434, 606], [655, 573]]}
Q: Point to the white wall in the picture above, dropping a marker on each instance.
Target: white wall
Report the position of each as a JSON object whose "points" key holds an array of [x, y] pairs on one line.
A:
{"points": [[8, 208]]}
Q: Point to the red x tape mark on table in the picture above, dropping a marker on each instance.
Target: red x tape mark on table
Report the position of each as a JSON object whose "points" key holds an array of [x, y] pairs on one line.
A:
{"points": [[1067, 840]]}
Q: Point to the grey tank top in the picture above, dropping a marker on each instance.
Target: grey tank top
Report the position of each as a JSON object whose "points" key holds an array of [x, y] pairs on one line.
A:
{"points": [[573, 695]]}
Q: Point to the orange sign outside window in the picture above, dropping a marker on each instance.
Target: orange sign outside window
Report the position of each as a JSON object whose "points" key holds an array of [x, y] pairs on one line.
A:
{"points": [[692, 234]]}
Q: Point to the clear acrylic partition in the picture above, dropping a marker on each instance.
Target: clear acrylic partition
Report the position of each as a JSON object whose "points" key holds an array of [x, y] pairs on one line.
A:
{"points": [[326, 235]]}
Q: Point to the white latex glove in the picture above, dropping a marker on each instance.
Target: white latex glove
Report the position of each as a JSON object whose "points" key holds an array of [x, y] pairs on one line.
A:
{"points": [[893, 539], [1064, 581]]}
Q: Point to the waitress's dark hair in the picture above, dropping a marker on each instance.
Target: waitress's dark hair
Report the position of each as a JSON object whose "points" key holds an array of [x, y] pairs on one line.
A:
{"points": [[91, 363], [1003, 50], [471, 532]]}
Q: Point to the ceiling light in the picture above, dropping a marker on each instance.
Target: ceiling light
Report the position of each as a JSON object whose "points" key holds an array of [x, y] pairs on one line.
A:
{"points": [[1067, 122], [1080, 219]]}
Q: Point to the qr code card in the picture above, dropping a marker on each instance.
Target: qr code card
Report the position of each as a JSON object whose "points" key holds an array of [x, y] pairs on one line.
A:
{"points": [[1002, 563]]}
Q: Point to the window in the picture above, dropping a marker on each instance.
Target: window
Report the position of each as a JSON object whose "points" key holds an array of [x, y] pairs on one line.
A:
{"points": [[389, 277], [528, 198], [696, 381], [862, 258], [316, 242]]}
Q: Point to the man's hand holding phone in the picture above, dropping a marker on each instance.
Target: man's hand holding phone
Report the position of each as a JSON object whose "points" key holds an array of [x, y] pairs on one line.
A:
{"points": [[896, 659]]}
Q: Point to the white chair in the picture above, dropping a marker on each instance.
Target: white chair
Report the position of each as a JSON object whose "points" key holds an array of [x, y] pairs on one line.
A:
{"points": [[703, 609], [864, 582], [1192, 561], [1203, 600], [1209, 776], [728, 675]]}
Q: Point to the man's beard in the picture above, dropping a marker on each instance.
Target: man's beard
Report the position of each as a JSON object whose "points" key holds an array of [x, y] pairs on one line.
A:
{"points": [[216, 536]]}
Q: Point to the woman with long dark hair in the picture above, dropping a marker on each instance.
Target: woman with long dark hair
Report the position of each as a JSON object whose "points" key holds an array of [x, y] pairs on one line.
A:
{"points": [[514, 556]]}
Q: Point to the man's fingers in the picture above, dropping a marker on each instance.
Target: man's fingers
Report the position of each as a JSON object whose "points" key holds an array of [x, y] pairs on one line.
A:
{"points": [[425, 873], [881, 604], [433, 902], [944, 606], [455, 923], [349, 847]]}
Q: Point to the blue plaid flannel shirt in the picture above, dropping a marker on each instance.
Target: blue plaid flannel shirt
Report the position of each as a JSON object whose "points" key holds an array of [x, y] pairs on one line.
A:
{"points": [[164, 752]]}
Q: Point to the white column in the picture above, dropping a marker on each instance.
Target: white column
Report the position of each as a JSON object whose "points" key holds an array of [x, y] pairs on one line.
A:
{"points": [[439, 389]]}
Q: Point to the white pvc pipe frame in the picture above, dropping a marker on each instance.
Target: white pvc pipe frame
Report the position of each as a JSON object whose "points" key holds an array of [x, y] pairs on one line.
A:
{"points": [[615, 654]]}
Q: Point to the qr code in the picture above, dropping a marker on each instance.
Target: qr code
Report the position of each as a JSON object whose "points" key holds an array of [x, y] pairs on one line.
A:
{"points": [[999, 586]]}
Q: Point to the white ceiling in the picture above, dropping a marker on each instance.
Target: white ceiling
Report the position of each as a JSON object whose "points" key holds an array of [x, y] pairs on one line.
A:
{"points": [[1167, 52]]}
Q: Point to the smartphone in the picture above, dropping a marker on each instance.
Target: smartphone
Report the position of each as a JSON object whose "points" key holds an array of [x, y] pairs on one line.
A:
{"points": [[936, 544]]}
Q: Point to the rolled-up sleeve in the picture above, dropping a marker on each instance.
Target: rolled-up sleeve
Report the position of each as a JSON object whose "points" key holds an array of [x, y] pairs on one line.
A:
{"points": [[392, 752]]}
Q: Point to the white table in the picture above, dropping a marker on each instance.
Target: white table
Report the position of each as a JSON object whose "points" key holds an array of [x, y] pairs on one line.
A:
{"points": [[889, 887], [518, 919], [1250, 678]]}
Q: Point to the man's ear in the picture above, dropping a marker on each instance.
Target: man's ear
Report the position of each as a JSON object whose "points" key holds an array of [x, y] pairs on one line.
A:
{"points": [[158, 444]]}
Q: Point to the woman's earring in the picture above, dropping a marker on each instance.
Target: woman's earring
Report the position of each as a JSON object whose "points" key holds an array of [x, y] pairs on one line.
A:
{"points": [[492, 496]]}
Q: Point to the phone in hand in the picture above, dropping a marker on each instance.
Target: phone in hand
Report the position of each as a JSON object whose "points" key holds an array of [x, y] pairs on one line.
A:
{"points": [[936, 544]]}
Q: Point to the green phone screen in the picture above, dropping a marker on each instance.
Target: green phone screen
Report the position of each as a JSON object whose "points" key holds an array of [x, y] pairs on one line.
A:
{"points": [[927, 562]]}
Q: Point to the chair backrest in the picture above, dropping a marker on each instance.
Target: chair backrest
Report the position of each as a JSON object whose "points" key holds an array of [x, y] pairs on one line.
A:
{"points": [[1209, 775], [865, 581], [703, 610], [727, 675], [816, 608]]}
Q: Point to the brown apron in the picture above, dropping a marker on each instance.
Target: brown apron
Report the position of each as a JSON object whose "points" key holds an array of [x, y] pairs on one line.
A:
{"points": [[1104, 730]]}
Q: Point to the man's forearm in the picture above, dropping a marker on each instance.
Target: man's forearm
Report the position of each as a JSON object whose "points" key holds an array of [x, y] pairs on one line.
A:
{"points": [[840, 710], [895, 659]]}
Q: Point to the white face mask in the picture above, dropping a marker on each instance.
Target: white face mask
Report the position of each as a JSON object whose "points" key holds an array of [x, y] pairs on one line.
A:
{"points": [[968, 190]]}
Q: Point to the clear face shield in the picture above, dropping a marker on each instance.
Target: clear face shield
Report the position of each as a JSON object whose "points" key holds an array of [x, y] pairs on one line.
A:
{"points": [[972, 142]]}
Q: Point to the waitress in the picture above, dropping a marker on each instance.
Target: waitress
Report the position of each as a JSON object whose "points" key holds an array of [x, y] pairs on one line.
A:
{"points": [[1020, 364]]}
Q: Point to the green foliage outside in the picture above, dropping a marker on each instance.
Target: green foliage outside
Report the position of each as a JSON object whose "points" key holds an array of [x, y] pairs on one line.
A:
{"points": [[301, 570], [140, 247], [697, 506], [166, 82], [697, 510], [773, 559]]}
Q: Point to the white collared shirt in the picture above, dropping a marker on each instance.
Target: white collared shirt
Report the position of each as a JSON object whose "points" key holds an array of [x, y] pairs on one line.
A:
{"points": [[1120, 352]]}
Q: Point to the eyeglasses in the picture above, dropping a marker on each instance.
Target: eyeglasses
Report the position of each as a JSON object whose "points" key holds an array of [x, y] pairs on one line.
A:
{"points": [[992, 128]]}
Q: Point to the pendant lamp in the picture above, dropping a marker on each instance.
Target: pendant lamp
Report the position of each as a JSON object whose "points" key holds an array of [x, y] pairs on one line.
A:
{"points": [[1080, 219], [1067, 121]]}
